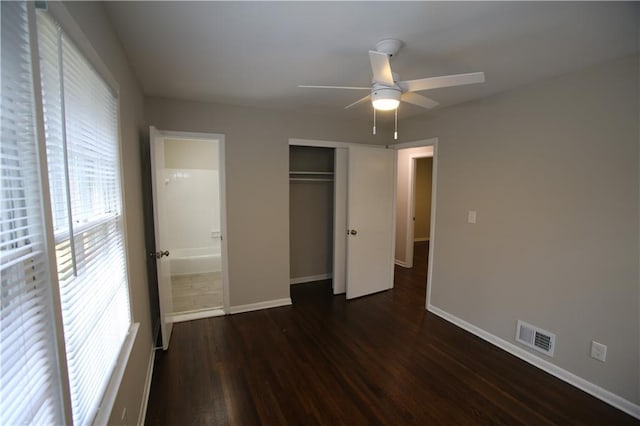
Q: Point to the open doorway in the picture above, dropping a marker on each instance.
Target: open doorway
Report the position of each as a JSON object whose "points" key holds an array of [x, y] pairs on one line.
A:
{"points": [[415, 206], [187, 175], [422, 177]]}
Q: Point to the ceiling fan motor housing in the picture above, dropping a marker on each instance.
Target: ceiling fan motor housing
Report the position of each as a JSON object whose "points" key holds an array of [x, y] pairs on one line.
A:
{"points": [[389, 46], [386, 93], [385, 99]]}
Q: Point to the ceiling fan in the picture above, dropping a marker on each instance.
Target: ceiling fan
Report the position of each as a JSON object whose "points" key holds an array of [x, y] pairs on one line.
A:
{"points": [[387, 92]]}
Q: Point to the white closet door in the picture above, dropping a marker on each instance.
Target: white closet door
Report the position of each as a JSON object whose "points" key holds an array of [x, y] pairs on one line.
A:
{"points": [[340, 168], [161, 230], [370, 220]]}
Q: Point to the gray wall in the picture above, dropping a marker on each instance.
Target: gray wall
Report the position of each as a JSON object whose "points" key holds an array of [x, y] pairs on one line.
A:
{"points": [[91, 17], [552, 170], [257, 168]]}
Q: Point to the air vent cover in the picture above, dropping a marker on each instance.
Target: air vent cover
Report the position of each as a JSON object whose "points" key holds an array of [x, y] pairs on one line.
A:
{"points": [[536, 338]]}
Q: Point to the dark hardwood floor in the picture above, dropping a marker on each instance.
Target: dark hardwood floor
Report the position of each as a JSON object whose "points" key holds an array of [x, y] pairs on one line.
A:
{"points": [[381, 359]]}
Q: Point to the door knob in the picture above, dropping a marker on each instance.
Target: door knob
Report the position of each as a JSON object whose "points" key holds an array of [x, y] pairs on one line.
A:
{"points": [[159, 254], [353, 232]]}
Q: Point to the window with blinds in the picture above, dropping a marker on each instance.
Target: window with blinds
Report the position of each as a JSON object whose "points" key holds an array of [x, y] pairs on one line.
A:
{"points": [[29, 378], [81, 122]]}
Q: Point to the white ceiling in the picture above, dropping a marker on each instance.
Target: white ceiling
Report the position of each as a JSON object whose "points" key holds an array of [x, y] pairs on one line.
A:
{"points": [[257, 53]]}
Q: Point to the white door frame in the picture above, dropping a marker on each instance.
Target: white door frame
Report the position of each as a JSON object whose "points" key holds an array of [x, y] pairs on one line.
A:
{"points": [[224, 244], [434, 181]]}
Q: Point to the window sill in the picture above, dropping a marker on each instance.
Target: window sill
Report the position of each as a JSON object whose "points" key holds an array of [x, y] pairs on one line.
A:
{"points": [[109, 398]]}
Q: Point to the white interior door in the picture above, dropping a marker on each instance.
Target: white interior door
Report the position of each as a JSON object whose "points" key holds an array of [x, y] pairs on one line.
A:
{"points": [[160, 229], [340, 168], [370, 220]]}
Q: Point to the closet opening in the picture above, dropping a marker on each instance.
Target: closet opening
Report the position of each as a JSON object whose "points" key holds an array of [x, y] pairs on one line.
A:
{"points": [[311, 222]]}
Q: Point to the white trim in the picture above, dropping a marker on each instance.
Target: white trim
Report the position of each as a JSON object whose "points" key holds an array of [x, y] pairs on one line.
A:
{"points": [[310, 278], [60, 13], [415, 144], [146, 392], [394, 219], [260, 305], [178, 134], [432, 228], [401, 263], [339, 269], [60, 354], [109, 398], [222, 183], [420, 240], [189, 316], [328, 144], [562, 374], [410, 216]]}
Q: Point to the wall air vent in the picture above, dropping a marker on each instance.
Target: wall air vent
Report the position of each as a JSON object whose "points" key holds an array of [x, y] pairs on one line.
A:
{"points": [[536, 338]]}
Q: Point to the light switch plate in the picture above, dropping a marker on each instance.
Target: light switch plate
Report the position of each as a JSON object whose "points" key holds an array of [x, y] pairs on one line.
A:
{"points": [[471, 216], [598, 351]]}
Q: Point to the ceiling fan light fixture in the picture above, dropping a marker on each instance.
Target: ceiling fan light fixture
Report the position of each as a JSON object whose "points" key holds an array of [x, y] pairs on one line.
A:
{"points": [[385, 99]]}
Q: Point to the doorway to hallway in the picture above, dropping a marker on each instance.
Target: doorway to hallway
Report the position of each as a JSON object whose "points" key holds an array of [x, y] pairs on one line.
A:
{"points": [[416, 169]]}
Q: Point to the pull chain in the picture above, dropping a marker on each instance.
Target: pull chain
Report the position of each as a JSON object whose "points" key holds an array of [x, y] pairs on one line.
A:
{"points": [[374, 121], [395, 133]]}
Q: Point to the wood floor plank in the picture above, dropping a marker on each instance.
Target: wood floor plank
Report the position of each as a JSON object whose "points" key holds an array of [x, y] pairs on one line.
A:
{"points": [[381, 359]]}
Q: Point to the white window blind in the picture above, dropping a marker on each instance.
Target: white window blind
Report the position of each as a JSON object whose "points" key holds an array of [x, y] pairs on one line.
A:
{"points": [[29, 379], [81, 121]]}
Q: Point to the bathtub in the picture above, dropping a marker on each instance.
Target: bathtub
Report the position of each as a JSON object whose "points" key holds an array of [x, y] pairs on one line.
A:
{"points": [[195, 260]]}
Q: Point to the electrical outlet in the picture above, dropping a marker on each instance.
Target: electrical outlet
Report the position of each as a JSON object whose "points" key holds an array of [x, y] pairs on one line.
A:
{"points": [[598, 351], [123, 418]]}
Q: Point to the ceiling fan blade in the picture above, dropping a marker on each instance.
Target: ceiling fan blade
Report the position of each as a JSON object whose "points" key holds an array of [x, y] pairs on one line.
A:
{"points": [[415, 99], [335, 87], [366, 98], [443, 81], [381, 68]]}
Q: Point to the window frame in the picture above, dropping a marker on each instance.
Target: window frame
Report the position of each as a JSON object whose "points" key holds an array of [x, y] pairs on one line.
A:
{"points": [[60, 14]]}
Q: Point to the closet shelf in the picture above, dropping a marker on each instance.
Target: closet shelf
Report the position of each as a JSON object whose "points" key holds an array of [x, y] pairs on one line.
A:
{"points": [[310, 176], [293, 179], [293, 172]]}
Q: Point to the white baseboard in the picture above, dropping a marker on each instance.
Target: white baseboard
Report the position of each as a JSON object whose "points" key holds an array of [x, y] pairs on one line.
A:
{"points": [[260, 305], [419, 240], [147, 387], [403, 264], [311, 278], [188, 316], [591, 388]]}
